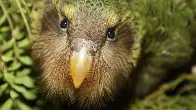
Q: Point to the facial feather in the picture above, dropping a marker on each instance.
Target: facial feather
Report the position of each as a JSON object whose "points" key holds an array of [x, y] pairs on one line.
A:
{"points": [[112, 62]]}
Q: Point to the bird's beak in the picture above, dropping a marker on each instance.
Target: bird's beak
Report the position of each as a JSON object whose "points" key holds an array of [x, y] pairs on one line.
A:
{"points": [[80, 65]]}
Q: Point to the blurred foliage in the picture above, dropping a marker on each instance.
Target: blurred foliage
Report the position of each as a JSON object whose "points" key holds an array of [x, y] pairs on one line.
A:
{"points": [[183, 99], [17, 83], [17, 86]]}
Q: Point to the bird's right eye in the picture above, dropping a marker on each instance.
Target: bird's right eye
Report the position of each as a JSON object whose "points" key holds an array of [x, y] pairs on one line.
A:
{"points": [[111, 34], [64, 24]]}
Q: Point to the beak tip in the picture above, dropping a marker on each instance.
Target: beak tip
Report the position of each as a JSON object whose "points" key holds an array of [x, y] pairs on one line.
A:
{"points": [[80, 65], [77, 84]]}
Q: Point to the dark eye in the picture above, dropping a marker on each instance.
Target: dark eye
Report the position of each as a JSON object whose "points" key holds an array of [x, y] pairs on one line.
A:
{"points": [[111, 34], [64, 24]]}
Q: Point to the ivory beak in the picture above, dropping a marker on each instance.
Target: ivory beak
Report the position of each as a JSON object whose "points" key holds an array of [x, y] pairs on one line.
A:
{"points": [[80, 65]]}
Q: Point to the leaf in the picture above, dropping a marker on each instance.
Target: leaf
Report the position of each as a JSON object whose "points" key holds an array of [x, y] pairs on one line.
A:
{"points": [[18, 80], [18, 88], [24, 72], [30, 95], [3, 87], [1, 38], [14, 66], [19, 51], [26, 60], [13, 94], [17, 18], [24, 43], [10, 53], [23, 106], [27, 94], [2, 19], [20, 35], [9, 77], [7, 45], [7, 58], [7, 105], [27, 4], [26, 81], [4, 29]]}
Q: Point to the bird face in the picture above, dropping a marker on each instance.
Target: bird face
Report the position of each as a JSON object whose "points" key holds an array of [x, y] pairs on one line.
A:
{"points": [[86, 50]]}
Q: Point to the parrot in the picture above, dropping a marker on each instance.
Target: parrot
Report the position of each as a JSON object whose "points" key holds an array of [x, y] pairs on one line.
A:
{"points": [[90, 51]]}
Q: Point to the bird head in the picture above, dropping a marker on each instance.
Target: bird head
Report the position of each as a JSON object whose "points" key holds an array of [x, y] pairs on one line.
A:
{"points": [[86, 49]]}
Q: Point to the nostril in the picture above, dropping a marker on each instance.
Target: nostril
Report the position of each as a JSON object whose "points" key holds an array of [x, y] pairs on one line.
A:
{"points": [[92, 52], [72, 48], [75, 47]]}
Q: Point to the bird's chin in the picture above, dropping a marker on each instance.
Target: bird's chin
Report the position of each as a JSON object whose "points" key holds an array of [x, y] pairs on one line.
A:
{"points": [[95, 91]]}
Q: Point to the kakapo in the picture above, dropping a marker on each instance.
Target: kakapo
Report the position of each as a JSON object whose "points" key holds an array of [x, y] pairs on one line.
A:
{"points": [[89, 50]]}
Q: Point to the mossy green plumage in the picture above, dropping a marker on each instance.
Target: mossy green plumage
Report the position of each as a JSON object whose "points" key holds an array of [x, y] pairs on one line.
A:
{"points": [[167, 42]]}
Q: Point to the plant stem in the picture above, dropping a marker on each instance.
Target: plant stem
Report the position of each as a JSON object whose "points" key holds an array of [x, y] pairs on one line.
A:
{"points": [[23, 16], [7, 15]]}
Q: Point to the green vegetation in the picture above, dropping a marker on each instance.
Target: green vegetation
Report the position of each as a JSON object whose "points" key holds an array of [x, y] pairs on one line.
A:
{"points": [[183, 99], [17, 86]]}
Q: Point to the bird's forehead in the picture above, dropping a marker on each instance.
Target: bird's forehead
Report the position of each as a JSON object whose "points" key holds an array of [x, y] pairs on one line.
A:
{"points": [[90, 10]]}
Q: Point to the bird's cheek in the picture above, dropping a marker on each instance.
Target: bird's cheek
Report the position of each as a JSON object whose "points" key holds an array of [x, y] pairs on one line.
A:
{"points": [[80, 65]]}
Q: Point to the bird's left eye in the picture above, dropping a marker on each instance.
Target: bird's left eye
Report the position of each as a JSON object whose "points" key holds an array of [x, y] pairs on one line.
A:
{"points": [[111, 36], [64, 24]]}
